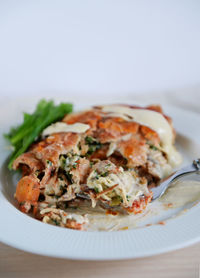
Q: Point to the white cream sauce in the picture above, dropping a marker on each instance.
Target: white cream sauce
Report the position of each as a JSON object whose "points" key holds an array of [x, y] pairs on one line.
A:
{"points": [[154, 120], [99, 220], [181, 193], [63, 127]]}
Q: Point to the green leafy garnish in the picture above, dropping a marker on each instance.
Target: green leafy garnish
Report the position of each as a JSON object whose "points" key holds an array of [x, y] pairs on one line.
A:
{"points": [[97, 176], [89, 140], [151, 146], [22, 136], [68, 161], [96, 189], [93, 144], [154, 148], [105, 174]]}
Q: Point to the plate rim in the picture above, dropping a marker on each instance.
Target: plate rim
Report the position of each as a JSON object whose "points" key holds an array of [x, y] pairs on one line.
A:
{"points": [[120, 256]]}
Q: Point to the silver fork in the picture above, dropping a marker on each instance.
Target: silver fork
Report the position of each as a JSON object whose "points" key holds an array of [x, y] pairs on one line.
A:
{"points": [[160, 189]]}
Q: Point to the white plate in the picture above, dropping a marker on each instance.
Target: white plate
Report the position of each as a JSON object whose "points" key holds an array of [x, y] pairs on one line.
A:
{"points": [[26, 233]]}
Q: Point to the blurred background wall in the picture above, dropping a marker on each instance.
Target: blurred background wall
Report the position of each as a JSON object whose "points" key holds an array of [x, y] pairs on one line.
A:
{"points": [[99, 48]]}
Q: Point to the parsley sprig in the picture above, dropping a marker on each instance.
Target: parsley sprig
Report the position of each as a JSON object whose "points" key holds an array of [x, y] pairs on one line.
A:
{"points": [[22, 136]]}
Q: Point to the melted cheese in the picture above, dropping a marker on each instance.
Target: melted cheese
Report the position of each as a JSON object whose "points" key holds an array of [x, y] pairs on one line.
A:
{"points": [[77, 217], [63, 127], [127, 186], [154, 120]]}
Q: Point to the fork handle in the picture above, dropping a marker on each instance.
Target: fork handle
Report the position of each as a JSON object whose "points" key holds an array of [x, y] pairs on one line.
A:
{"points": [[194, 167], [160, 189]]}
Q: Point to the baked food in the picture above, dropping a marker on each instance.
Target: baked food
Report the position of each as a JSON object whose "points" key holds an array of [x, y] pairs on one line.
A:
{"points": [[108, 156]]}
